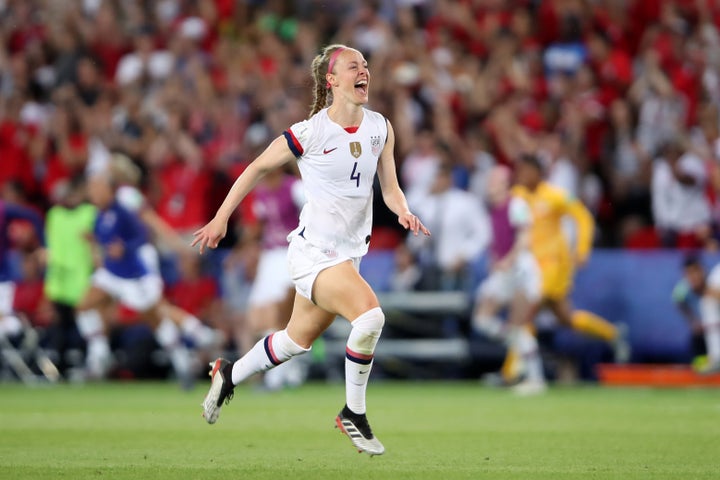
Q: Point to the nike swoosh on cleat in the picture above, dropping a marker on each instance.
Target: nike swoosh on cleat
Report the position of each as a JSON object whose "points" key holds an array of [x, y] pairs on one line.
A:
{"points": [[326, 151]]}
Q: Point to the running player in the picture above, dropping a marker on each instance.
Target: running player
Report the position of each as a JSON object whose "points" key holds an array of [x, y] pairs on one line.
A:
{"points": [[127, 176], [10, 324], [514, 280], [555, 256], [276, 204], [125, 277], [338, 150]]}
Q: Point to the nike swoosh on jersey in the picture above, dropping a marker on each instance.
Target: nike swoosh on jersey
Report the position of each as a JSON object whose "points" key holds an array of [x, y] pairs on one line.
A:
{"points": [[326, 151]]}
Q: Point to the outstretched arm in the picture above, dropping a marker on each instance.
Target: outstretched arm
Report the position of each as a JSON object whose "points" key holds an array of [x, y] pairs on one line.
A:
{"points": [[275, 155], [392, 194]]}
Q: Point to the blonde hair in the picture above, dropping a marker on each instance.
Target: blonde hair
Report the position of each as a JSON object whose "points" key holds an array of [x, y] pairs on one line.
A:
{"points": [[320, 68], [124, 171]]}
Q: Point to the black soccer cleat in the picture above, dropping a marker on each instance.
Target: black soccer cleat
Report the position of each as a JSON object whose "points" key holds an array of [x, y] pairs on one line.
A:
{"points": [[358, 430], [221, 389]]}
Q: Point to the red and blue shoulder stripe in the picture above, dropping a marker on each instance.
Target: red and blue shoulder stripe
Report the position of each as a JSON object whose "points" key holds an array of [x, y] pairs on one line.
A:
{"points": [[293, 143]]}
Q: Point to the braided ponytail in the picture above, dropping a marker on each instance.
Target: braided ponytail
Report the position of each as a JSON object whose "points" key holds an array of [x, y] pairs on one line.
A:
{"points": [[319, 69]]}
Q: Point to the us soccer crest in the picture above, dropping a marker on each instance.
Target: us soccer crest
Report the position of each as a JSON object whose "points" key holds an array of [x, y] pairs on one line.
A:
{"points": [[376, 145], [355, 149]]}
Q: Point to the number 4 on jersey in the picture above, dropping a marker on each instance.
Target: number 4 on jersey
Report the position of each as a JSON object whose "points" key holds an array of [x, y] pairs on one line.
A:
{"points": [[355, 175]]}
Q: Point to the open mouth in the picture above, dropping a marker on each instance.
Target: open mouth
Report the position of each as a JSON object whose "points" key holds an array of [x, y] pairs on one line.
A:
{"points": [[361, 87]]}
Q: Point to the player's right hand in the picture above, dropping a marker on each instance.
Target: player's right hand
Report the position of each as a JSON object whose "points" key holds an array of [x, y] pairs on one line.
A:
{"points": [[210, 235]]}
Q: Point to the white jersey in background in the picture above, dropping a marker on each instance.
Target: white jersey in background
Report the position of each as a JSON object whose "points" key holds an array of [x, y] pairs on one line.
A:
{"points": [[338, 169]]}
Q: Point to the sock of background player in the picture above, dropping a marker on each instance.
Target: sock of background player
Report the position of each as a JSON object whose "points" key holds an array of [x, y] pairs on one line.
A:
{"points": [[202, 335], [526, 345], [269, 352], [168, 337], [359, 352], [92, 329]]}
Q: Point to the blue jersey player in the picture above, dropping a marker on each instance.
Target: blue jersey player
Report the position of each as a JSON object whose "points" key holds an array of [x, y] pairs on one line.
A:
{"points": [[10, 325], [123, 276]]}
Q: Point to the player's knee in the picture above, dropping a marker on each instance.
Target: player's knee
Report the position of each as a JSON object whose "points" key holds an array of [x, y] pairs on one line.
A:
{"points": [[371, 320], [366, 330]]}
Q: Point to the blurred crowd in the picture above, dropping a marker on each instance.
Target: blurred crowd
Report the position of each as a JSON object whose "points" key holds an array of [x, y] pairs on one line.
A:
{"points": [[619, 98]]}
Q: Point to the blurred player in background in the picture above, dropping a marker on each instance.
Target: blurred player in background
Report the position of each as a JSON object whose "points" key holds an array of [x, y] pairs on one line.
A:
{"points": [[697, 296], [276, 204], [69, 260], [16, 331], [123, 276], [555, 255], [10, 324], [127, 176], [339, 149], [514, 279]]}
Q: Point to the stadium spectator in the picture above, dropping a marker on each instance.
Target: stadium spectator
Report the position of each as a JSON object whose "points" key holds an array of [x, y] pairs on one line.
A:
{"points": [[696, 297], [461, 232], [680, 206]]}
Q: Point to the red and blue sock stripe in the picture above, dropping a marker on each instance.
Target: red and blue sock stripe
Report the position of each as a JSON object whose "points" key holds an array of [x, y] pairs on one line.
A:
{"points": [[270, 352], [361, 358]]}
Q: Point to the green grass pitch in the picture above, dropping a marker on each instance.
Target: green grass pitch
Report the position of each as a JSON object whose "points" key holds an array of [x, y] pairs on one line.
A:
{"points": [[431, 431]]}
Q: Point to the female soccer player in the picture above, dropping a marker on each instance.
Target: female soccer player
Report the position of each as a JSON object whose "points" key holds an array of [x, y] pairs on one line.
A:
{"points": [[338, 149]]}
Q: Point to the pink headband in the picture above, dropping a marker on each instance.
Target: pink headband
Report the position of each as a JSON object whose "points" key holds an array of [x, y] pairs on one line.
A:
{"points": [[331, 63]]}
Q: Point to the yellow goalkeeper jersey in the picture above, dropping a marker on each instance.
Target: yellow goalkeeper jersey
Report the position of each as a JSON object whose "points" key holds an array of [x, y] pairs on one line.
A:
{"points": [[548, 242]]}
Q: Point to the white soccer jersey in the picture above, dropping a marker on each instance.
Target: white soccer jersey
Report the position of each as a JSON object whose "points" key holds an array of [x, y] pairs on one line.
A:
{"points": [[338, 169]]}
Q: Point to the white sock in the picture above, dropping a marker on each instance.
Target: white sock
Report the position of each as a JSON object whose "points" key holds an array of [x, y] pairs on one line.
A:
{"points": [[168, 336], [490, 325], [201, 334], [90, 324], [710, 318], [91, 328], [267, 353], [359, 353], [527, 346], [98, 356]]}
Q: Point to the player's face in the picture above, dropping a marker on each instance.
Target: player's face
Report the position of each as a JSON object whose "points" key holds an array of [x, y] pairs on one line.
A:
{"points": [[498, 183], [695, 276], [351, 78], [527, 175], [100, 191]]}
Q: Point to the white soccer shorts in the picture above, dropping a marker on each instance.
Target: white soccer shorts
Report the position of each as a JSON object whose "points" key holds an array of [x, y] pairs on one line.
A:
{"points": [[140, 294], [306, 261]]}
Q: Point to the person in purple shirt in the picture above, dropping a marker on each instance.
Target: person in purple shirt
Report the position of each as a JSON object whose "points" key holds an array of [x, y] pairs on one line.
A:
{"points": [[119, 234], [514, 279], [10, 325], [277, 203]]}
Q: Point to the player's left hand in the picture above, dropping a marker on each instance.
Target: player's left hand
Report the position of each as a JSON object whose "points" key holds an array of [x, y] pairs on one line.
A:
{"points": [[412, 223]]}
